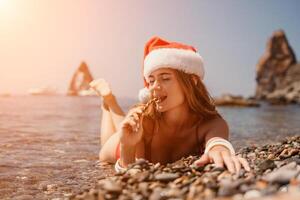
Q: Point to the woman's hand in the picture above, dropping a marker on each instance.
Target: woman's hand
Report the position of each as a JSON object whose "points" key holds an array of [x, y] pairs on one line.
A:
{"points": [[131, 127], [220, 155]]}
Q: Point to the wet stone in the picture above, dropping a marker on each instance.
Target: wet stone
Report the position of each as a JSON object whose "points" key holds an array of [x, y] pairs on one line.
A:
{"points": [[218, 169], [166, 177], [266, 164], [269, 190], [281, 176], [133, 171], [252, 194], [142, 176], [111, 186], [143, 188], [24, 197], [226, 191], [294, 159]]}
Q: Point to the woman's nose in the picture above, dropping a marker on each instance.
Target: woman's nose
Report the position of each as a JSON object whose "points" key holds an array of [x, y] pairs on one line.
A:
{"points": [[157, 85]]}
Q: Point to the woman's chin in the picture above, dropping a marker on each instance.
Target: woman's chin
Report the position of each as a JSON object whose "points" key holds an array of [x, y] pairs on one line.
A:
{"points": [[161, 108]]}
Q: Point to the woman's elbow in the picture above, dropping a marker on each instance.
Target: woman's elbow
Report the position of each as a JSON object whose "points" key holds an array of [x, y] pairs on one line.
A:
{"points": [[103, 157]]}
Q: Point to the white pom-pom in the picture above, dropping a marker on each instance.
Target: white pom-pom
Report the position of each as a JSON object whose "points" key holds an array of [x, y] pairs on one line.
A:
{"points": [[144, 95]]}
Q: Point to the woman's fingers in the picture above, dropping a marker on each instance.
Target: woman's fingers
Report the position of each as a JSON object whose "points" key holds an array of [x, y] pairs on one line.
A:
{"points": [[203, 160], [223, 157], [237, 164], [244, 162], [135, 116], [228, 161], [137, 110], [127, 125], [217, 158], [132, 123], [133, 120]]}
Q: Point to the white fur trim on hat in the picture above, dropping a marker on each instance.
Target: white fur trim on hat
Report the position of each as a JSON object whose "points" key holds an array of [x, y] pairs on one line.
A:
{"points": [[186, 60], [144, 95]]}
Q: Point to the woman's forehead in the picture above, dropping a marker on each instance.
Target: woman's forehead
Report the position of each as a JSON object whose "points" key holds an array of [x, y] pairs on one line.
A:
{"points": [[161, 71]]}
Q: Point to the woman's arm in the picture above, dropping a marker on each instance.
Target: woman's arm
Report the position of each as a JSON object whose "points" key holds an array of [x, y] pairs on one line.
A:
{"points": [[108, 150], [127, 139], [216, 128], [127, 154], [131, 135], [218, 149]]}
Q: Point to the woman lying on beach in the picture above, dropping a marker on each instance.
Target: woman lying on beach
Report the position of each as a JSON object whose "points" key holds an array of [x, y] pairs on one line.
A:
{"points": [[180, 119]]}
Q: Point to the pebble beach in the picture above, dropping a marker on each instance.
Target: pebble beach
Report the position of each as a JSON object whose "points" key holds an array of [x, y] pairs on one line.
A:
{"points": [[275, 171]]}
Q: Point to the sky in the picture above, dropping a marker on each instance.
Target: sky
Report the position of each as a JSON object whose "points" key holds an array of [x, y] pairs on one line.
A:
{"points": [[42, 42]]}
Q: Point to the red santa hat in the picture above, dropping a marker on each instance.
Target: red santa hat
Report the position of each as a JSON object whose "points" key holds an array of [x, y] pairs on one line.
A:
{"points": [[160, 53]]}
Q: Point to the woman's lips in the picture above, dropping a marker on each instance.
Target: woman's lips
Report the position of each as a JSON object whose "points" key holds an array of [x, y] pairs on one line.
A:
{"points": [[161, 99], [160, 102]]}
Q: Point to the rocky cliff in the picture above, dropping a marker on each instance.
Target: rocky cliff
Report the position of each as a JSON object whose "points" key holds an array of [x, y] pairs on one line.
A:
{"points": [[80, 80], [277, 72]]}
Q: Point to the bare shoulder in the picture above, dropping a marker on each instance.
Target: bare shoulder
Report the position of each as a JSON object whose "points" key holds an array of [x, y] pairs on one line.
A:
{"points": [[215, 127], [216, 122]]}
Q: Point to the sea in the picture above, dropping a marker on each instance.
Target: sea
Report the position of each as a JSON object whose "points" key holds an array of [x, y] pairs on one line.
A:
{"points": [[59, 116]]}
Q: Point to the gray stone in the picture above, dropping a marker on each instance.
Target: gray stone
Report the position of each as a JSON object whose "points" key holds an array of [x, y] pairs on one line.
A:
{"points": [[281, 176], [166, 177], [111, 186], [252, 194]]}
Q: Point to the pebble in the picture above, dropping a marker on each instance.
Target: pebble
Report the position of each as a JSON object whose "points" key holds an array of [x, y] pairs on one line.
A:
{"points": [[252, 194], [24, 197], [166, 177], [275, 167], [133, 171], [266, 164], [281, 176], [111, 186]]}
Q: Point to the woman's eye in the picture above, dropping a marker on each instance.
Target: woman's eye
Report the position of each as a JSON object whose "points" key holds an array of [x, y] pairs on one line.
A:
{"points": [[166, 79], [151, 82]]}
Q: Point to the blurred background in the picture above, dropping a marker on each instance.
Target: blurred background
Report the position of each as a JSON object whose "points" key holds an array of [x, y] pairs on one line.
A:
{"points": [[42, 43]]}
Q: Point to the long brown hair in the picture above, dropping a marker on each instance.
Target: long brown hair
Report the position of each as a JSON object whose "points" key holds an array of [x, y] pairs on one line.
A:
{"points": [[198, 98]]}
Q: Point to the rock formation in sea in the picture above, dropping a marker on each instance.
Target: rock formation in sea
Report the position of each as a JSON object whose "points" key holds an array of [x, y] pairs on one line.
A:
{"points": [[43, 91], [79, 85], [278, 73], [233, 100]]}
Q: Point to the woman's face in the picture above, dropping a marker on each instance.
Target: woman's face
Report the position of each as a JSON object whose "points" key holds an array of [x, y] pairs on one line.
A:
{"points": [[165, 86]]}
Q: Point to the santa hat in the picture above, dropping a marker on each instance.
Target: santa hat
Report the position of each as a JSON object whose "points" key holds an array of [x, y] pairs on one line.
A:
{"points": [[160, 53]]}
